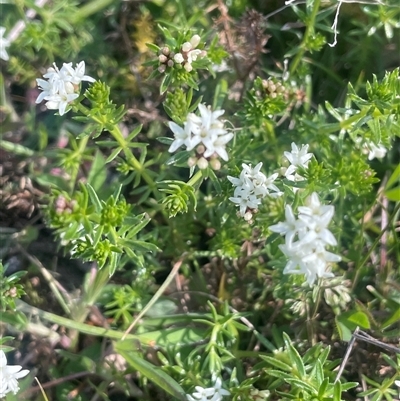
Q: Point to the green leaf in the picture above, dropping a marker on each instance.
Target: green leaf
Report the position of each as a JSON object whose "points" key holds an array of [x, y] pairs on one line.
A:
{"points": [[167, 80], [393, 194], [153, 373], [113, 155], [16, 148], [394, 178], [277, 363], [134, 133], [94, 198], [153, 47], [220, 93], [165, 140], [337, 391], [348, 321], [394, 318], [302, 385], [322, 388], [98, 173]]}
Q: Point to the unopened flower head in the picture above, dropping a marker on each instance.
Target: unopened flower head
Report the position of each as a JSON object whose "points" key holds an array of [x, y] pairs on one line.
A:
{"points": [[189, 53], [206, 133], [9, 375], [4, 43], [306, 238], [251, 187], [297, 158], [61, 86]]}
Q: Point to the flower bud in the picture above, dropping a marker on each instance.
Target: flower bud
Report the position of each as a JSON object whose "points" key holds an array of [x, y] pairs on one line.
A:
{"points": [[192, 161], [170, 63], [188, 67], [186, 47], [162, 68], [178, 58], [202, 163], [162, 58], [195, 41], [215, 164], [166, 50]]}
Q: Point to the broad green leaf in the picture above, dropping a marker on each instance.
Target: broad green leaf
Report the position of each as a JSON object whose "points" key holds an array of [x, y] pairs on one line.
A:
{"points": [[348, 321]]}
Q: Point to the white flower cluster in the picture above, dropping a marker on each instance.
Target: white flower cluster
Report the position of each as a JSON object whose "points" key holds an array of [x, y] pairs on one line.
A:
{"points": [[251, 187], [9, 376], [297, 158], [189, 53], [3, 44], [206, 132], [306, 239], [215, 393], [61, 86]]}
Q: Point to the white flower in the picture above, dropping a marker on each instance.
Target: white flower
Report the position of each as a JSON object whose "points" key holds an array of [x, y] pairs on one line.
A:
{"points": [[205, 129], [77, 75], [397, 383], [218, 387], [216, 144], [376, 151], [60, 101], [215, 393], [298, 158], [9, 376], [251, 187], [61, 86], [3, 44], [306, 239], [290, 227], [183, 136]]}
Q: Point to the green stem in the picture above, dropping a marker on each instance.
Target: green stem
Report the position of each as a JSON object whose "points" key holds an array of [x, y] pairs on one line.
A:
{"points": [[131, 159], [309, 31], [195, 178], [88, 9], [78, 155]]}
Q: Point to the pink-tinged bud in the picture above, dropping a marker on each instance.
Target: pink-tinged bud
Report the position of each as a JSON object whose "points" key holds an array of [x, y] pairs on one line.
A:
{"points": [[170, 63], [200, 149], [215, 164], [192, 161], [186, 47], [188, 67], [166, 50], [162, 68], [162, 58], [195, 41], [202, 163], [248, 216]]}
